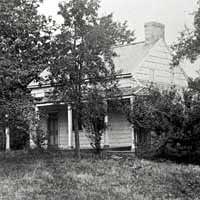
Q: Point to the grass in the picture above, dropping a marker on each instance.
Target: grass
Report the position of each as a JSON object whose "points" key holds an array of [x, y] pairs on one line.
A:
{"points": [[57, 175]]}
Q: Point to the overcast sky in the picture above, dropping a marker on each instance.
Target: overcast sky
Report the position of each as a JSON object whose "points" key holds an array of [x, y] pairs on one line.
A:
{"points": [[173, 13]]}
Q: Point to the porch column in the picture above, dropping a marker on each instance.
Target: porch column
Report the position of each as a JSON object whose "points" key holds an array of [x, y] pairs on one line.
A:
{"points": [[33, 131], [132, 129], [106, 136], [69, 126], [7, 133]]}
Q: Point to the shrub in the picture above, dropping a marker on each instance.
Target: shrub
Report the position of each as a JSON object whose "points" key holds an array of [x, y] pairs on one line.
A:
{"points": [[169, 121]]}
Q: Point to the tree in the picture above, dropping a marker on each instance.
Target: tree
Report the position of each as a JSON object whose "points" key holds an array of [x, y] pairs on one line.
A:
{"points": [[188, 44], [93, 118], [188, 47], [83, 55], [25, 41]]}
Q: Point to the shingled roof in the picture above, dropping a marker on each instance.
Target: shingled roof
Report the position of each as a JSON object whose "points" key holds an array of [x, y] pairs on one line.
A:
{"points": [[130, 56], [146, 61]]}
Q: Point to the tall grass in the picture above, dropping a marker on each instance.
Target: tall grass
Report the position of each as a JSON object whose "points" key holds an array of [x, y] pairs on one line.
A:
{"points": [[57, 175]]}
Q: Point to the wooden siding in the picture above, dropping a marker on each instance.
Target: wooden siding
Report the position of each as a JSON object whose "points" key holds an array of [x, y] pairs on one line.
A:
{"points": [[156, 67], [178, 76], [85, 141], [119, 130]]}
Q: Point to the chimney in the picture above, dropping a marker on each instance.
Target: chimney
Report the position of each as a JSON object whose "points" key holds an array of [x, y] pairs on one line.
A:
{"points": [[153, 32]]}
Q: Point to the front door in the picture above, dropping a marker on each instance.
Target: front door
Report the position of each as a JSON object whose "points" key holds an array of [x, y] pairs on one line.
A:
{"points": [[53, 130]]}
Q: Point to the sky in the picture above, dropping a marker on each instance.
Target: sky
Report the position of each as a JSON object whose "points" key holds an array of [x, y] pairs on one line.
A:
{"points": [[174, 14]]}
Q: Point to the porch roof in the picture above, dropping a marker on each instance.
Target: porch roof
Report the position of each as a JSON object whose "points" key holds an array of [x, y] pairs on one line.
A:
{"points": [[125, 92]]}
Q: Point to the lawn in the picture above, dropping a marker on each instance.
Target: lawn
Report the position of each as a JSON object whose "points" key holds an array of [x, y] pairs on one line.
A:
{"points": [[57, 175]]}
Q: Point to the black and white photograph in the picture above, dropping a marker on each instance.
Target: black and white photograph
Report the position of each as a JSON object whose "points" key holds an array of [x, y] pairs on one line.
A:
{"points": [[99, 99]]}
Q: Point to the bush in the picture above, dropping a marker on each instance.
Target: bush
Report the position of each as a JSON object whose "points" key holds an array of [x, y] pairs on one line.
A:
{"points": [[169, 120], [94, 111], [19, 137], [40, 139]]}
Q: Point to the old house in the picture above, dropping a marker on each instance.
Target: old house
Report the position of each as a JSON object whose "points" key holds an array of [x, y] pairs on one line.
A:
{"points": [[141, 63]]}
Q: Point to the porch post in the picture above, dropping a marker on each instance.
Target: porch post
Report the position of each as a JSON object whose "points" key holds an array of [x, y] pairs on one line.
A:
{"points": [[106, 137], [7, 139], [69, 126], [33, 131], [7, 133], [132, 129]]}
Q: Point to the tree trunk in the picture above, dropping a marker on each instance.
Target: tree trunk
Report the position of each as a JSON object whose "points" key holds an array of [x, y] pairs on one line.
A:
{"points": [[76, 131], [98, 143]]}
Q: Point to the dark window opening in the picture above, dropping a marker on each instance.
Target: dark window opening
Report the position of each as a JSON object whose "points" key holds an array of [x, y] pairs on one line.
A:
{"points": [[80, 124]]}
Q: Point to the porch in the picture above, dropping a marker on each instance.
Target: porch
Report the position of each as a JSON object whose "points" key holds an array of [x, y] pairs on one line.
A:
{"points": [[56, 121]]}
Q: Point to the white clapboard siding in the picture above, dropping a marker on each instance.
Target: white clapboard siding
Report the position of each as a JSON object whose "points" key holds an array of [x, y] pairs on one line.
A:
{"points": [[156, 67], [178, 76], [85, 141], [119, 130]]}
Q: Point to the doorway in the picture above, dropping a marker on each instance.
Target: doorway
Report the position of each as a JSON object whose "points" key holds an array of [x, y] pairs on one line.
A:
{"points": [[53, 130]]}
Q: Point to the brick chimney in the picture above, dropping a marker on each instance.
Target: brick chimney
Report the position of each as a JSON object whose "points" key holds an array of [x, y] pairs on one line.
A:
{"points": [[153, 32]]}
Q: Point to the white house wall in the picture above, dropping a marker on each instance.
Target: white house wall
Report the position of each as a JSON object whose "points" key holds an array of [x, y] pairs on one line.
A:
{"points": [[179, 78], [119, 130]]}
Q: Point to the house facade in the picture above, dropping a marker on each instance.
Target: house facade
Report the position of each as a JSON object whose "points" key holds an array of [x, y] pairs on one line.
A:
{"points": [[141, 63]]}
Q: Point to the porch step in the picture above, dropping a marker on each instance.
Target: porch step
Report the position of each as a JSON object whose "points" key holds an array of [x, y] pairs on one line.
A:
{"points": [[119, 154]]}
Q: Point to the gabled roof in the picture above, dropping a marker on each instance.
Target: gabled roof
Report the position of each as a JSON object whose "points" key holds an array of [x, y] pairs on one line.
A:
{"points": [[130, 56], [44, 76], [137, 59], [149, 62]]}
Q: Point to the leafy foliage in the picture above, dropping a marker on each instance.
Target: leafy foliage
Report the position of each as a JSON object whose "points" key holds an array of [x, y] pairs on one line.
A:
{"points": [[173, 117], [188, 42], [83, 55], [93, 114], [188, 47], [24, 49]]}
